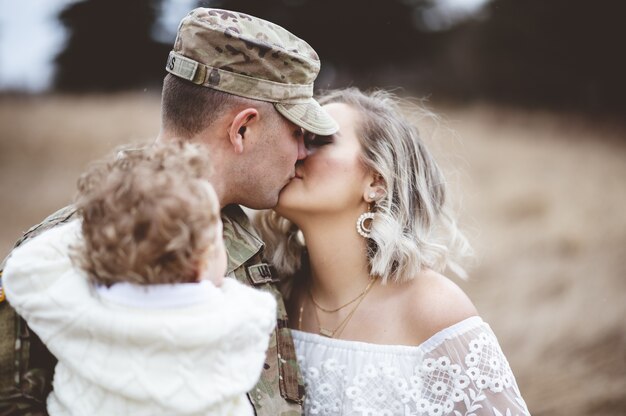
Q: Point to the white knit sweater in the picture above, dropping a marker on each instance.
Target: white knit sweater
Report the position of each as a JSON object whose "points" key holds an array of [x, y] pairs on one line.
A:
{"points": [[189, 349]]}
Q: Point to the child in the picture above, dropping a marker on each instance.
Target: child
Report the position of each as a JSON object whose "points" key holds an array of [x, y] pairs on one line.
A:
{"points": [[140, 317]]}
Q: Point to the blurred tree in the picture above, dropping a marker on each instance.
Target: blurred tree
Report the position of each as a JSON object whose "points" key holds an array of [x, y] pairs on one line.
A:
{"points": [[110, 46], [565, 53], [355, 35]]}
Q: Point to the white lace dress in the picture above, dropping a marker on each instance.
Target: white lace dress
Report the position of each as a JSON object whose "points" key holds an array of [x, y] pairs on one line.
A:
{"points": [[461, 370]]}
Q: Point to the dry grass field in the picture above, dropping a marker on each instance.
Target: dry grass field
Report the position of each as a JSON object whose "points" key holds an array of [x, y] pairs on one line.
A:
{"points": [[542, 197]]}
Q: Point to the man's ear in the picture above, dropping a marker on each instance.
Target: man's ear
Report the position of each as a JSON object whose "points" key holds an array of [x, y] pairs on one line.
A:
{"points": [[237, 129]]}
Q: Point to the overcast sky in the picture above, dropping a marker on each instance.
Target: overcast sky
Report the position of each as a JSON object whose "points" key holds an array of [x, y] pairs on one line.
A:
{"points": [[30, 35]]}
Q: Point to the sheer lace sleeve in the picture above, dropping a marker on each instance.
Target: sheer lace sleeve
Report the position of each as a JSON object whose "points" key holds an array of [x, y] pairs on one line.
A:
{"points": [[465, 373]]}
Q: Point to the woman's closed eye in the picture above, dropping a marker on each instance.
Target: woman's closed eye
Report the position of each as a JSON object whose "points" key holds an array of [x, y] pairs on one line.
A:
{"points": [[312, 141]]}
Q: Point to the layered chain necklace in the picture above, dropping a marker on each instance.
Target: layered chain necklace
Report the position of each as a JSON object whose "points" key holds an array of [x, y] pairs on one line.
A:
{"points": [[333, 333]]}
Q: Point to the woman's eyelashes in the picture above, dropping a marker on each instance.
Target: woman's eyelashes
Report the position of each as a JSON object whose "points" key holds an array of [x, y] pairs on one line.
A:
{"points": [[312, 141]]}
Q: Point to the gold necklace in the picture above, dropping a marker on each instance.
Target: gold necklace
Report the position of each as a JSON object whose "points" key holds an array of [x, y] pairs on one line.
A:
{"points": [[360, 295], [332, 333]]}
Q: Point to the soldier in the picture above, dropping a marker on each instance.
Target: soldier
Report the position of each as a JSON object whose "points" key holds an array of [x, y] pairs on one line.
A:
{"points": [[242, 86]]}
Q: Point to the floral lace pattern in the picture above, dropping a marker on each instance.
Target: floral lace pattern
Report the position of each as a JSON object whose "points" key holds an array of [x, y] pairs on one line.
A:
{"points": [[459, 371]]}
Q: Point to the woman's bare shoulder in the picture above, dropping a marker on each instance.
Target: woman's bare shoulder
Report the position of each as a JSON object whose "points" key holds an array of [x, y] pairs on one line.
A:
{"points": [[434, 302]]}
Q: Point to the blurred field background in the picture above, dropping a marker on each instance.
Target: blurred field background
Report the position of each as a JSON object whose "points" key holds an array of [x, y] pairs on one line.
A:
{"points": [[543, 201], [531, 133]]}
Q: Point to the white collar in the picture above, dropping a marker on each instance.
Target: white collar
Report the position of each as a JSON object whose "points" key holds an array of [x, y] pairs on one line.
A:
{"points": [[158, 296]]}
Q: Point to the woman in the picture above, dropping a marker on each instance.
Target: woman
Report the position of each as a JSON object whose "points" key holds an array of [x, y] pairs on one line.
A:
{"points": [[378, 330]]}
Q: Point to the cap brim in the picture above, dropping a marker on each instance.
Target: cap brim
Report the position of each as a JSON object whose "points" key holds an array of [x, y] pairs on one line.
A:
{"points": [[310, 116]]}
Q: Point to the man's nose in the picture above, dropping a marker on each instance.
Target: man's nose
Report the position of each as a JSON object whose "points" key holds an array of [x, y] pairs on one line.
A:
{"points": [[302, 151]]}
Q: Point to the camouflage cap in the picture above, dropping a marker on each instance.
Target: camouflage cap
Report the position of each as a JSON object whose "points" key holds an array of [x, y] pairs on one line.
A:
{"points": [[253, 58]]}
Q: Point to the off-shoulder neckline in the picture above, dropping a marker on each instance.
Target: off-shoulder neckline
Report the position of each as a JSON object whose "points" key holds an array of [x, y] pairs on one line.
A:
{"points": [[431, 343]]}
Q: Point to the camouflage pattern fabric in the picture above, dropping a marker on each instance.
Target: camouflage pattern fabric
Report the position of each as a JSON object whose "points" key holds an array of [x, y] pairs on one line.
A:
{"points": [[26, 366], [250, 57], [280, 391]]}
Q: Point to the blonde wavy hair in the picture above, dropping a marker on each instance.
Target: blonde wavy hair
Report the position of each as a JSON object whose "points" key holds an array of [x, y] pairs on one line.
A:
{"points": [[148, 216], [413, 227]]}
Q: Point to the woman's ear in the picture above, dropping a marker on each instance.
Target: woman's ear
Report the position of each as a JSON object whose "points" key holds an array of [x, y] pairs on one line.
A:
{"points": [[237, 129], [375, 189]]}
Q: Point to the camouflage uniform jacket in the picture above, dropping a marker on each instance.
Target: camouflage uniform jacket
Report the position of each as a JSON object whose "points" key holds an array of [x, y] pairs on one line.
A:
{"points": [[26, 366]]}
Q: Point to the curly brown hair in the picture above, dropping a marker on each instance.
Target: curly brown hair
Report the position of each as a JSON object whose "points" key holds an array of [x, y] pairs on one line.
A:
{"points": [[149, 215]]}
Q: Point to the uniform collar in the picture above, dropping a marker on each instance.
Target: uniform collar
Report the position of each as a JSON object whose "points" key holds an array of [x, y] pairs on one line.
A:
{"points": [[241, 241]]}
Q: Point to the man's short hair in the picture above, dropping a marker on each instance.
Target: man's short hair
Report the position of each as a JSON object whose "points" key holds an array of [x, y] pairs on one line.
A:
{"points": [[187, 108]]}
